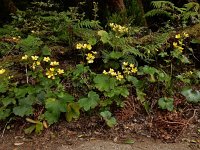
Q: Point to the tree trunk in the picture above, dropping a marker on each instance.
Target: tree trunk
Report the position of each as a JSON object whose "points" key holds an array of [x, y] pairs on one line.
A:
{"points": [[6, 7], [116, 5], [144, 21]]}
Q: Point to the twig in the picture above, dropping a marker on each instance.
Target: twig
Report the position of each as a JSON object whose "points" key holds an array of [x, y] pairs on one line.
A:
{"points": [[187, 123], [26, 75], [4, 129]]}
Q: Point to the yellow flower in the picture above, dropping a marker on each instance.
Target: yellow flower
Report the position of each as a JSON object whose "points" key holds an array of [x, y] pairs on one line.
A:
{"points": [[104, 72], [60, 71], [25, 57], [34, 57], [10, 77], [112, 72], [37, 63], [50, 73], [2, 71], [111, 25], [180, 42], [52, 69], [119, 77], [90, 58], [89, 47], [54, 63], [185, 35], [125, 63], [180, 48], [94, 52], [134, 70], [79, 46], [33, 66], [191, 72], [126, 71], [84, 46], [175, 44], [132, 65], [178, 36], [46, 59]]}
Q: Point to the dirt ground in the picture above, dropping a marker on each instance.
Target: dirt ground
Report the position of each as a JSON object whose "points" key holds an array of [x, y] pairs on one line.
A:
{"points": [[92, 134]]}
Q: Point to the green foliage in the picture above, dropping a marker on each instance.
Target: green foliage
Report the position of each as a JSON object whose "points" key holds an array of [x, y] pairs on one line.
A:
{"points": [[189, 13], [37, 127], [30, 45], [166, 103], [110, 86], [192, 96], [90, 102], [73, 111], [107, 116]]}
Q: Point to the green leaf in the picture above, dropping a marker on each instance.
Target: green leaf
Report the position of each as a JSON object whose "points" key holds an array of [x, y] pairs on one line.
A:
{"points": [[104, 83], [73, 111], [191, 95], [39, 127], [3, 86], [92, 41], [166, 103], [105, 38], [116, 55], [129, 141], [20, 92], [107, 116], [46, 51], [149, 70], [137, 83], [65, 97], [90, 102], [54, 108], [7, 100], [29, 130], [51, 117], [23, 110], [29, 100], [195, 41], [118, 91], [4, 113]]}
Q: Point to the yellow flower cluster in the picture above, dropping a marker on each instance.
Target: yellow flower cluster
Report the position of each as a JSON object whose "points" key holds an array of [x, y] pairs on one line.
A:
{"points": [[179, 45], [36, 63], [129, 68], [2, 71], [185, 35], [54, 63], [83, 46], [112, 72], [25, 57], [52, 72], [118, 28], [46, 59], [90, 57]]}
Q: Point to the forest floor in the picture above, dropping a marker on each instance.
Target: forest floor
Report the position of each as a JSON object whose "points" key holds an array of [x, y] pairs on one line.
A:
{"points": [[91, 133]]}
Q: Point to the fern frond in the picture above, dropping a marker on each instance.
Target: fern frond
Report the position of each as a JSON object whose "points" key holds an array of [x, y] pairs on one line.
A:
{"points": [[192, 6], [162, 4], [190, 14], [89, 24], [157, 12]]}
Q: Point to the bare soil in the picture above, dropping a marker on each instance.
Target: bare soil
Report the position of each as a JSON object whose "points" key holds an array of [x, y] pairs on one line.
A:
{"points": [[91, 133]]}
